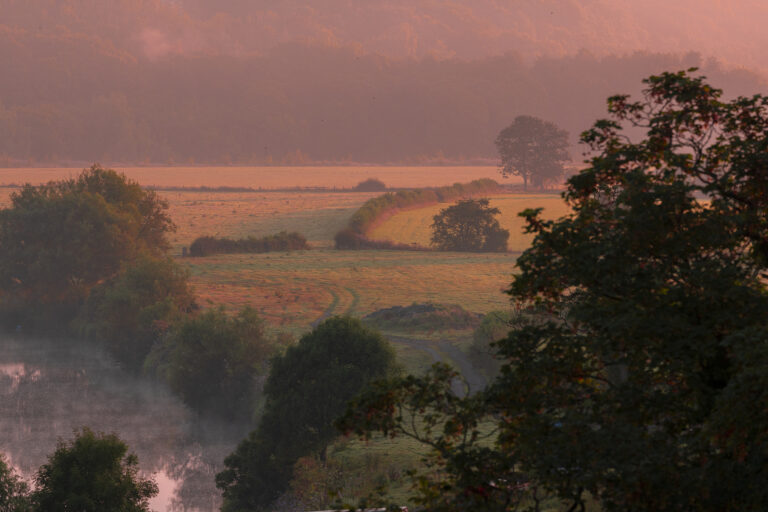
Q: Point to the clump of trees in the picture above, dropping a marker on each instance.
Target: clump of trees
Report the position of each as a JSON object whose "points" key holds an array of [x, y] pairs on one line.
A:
{"points": [[370, 185], [215, 362], [469, 225], [354, 235], [60, 240], [307, 389], [132, 311], [629, 390], [91, 473], [533, 149], [283, 241]]}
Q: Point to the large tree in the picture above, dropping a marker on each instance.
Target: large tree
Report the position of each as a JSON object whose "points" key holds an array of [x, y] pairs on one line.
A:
{"points": [[533, 149], [307, 389], [469, 225], [92, 473], [59, 240], [643, 384]]}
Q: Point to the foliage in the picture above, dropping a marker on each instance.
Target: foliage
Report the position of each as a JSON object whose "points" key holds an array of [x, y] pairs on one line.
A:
{"points": [[213, 361], [533, 149], [59, 240], [353, 236], [92, 473], [14, 492], [131, 312], [632, 391], [469, 225], [370, 185], [283, 241], [307, 388]]}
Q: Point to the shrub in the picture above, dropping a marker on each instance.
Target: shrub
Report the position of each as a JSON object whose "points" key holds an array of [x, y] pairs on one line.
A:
{"points": [[213, 361]]}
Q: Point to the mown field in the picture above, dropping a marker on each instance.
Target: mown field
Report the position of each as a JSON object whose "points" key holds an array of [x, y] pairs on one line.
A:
{"points": [[413, 226]]}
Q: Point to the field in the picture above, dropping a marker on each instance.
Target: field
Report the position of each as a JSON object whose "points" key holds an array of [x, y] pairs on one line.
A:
{"points": [[413, 226], [295, 289]]}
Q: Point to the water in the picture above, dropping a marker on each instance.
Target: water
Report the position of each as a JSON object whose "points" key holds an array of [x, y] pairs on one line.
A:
{"points": [[49, 388]]}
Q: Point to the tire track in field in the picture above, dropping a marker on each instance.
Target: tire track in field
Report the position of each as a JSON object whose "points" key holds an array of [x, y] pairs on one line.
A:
{"points": [[473, 381], [328, 311]]}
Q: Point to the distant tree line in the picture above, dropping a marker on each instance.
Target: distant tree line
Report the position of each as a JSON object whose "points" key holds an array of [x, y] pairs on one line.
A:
{"points": [[283, 241], [116, 107]]}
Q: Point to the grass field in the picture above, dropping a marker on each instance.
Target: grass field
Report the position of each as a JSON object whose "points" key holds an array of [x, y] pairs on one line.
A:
{"points": [[295, 289], [413, 226]]}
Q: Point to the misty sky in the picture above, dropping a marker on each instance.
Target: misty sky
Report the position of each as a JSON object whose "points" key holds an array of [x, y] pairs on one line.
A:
{"points": [[298, 81]]}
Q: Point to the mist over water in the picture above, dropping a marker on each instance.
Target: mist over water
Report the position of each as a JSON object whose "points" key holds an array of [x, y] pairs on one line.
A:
{"points": [[51, 387]]}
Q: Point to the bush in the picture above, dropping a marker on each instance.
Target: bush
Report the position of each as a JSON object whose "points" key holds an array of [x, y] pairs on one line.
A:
{"points": [[131, 312], [370, 185], [283, 241], [213, 361]]}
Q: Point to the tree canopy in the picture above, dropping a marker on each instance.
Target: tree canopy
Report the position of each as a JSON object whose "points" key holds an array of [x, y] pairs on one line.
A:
{"points": [[643, 384], [58, 240], [469, 225], [92, 473], [213, 361], [307, 389], [533, 149]]}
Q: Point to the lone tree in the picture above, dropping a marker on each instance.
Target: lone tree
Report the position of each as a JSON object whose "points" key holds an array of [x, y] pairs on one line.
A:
{"points": [[646, 386], [92, 473], [307, 389], [469, 225], [533, 149]]}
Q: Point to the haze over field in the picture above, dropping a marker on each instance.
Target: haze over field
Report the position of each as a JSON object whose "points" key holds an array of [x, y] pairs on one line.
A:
{"points": [[264, 83]]}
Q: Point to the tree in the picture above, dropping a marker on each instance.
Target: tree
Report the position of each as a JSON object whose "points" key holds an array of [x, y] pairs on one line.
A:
{"points": [[533, 149], [469, 225], [14, 492], [212, 361], [371, 185], [306, 391], [59, 240], [645, 387], [92, 473], [131, 312]]}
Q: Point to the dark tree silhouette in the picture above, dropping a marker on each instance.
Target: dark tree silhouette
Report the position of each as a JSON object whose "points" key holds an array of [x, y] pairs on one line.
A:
{"points": [[469, 225], [533, 149]]}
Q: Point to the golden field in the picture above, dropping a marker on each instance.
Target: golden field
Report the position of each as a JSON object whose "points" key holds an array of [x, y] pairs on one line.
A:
{"points": [[414, 226]]}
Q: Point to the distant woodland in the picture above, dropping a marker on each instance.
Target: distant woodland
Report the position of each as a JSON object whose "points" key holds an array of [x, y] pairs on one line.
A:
{"points": [[82, 85]]}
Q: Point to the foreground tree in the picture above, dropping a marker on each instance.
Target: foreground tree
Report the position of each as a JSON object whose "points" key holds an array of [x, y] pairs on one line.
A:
{"points": [[57, 241], [646, 387], [307, 389], [14, 492], [533, 149], [469, 225], [92, 473]]}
